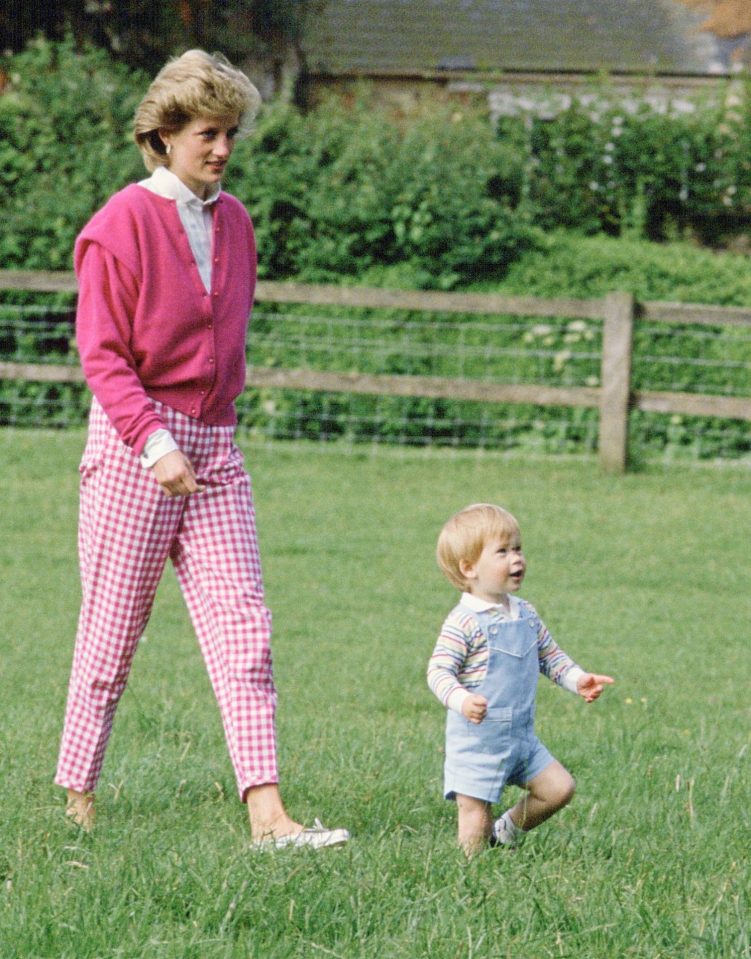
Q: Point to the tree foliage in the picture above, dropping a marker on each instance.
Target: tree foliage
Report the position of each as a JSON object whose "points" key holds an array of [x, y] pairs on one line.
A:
{"points": [[143, 33]]}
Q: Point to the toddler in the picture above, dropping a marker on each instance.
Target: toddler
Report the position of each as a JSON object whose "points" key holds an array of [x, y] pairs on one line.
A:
{"points": [[484, 669]]}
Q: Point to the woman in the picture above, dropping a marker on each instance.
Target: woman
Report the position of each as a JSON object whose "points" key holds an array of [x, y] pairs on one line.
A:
{"points": [[166, 273]]}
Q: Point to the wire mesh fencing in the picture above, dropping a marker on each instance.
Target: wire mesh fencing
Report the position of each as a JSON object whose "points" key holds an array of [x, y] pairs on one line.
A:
{"points": [[486, 351], [504, 350]]}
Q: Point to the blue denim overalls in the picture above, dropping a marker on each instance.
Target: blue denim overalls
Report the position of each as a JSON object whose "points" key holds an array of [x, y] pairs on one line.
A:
{"points": [[503, 748]]}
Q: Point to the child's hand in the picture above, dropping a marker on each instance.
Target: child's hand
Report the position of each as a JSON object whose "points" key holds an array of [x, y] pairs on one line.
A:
{"points": [[590, 686], [474, 708]]}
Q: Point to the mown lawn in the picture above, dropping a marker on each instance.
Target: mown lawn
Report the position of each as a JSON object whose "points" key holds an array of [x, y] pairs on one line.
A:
{"points": [[645, 577]]}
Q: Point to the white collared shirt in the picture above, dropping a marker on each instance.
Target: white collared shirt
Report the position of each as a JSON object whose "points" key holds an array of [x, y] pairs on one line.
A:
{"points": [[482, 605], [196, 218], [195, 215]]}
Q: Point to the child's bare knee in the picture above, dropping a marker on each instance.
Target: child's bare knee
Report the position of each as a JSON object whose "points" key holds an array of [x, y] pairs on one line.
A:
{"points": [[557, 790], [565, 790]]}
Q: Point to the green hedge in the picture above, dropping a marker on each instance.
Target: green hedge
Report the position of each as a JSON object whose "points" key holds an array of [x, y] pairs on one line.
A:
{"points": [[331, 193], [349, 195], [64, 147], [627, 165], [344, 189]]}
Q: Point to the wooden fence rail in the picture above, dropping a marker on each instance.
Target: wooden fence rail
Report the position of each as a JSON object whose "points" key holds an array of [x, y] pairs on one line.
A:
{"points": [[614, 398]]}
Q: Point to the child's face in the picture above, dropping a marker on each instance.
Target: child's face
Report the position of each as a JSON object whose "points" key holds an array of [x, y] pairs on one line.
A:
{"points": [[498, 570]]}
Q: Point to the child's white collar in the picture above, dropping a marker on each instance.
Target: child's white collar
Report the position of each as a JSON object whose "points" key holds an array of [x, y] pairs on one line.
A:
{"points": [[478, 605]]}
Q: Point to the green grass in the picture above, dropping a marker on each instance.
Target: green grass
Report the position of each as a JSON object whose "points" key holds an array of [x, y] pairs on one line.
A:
{"points": [[645, 577]]}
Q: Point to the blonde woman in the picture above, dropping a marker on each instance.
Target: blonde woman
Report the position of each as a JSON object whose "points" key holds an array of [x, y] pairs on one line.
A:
{"points": [[166, 273]]}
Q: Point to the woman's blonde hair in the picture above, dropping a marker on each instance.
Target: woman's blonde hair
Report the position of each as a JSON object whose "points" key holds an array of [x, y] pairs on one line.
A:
{"points": [[197, 84], [465, 534]]}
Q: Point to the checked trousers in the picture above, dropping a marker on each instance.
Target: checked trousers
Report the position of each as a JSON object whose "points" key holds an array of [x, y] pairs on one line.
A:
{"points": [[128, 528]]}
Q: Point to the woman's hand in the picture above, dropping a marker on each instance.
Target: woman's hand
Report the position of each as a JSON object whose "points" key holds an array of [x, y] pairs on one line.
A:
{"points": [[474, 708], [175, 475], [591, 685]]}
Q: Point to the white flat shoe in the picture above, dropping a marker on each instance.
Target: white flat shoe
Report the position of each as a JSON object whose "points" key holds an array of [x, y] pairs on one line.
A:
{"points": [[502, 837], [317, 837]]}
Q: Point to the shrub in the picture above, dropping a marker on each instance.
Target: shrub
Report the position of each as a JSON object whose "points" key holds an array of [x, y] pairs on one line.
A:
{"points": [[632, 165], [64, 148], [341, 190]]}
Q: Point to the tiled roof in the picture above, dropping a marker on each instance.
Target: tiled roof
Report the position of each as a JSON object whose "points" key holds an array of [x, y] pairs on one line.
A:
{"points": [[415, 36]]}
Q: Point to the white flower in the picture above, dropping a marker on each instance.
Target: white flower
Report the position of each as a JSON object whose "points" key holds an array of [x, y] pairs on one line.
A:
{"points": [[541, 329], [561, 359]]}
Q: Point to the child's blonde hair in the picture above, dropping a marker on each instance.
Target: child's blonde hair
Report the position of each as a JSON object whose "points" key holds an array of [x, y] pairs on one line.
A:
{"points": [[465, 534]]}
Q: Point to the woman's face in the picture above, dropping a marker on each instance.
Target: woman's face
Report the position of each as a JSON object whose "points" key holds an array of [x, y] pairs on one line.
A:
{"points": [[200, 151]]}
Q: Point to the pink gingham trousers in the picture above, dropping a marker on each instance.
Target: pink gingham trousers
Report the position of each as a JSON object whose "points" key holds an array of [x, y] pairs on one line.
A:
{"points": [[128, 528]]}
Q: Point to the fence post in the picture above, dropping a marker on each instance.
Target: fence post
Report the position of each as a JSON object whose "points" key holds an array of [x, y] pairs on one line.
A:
{"points": [[615, 390]]}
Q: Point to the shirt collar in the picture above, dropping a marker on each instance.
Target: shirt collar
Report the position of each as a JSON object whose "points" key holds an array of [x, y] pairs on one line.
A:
{"points": [[164, 183], [478, 605]]}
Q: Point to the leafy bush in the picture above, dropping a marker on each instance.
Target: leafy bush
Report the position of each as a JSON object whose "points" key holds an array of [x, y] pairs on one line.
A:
{"points": [[349, 195], [346, 189], [342, 189], [591, 266], [632, 166], [64, 148]]}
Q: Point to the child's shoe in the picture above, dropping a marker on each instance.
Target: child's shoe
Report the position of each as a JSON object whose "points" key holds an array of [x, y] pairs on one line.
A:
{"points": [[506, 833]]}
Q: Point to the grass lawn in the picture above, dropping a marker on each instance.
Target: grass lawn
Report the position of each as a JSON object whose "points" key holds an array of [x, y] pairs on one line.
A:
{"points": [[645, 577]]}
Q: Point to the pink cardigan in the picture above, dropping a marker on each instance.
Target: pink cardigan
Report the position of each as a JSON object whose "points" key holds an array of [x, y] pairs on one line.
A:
{"points": [[146, 328]]}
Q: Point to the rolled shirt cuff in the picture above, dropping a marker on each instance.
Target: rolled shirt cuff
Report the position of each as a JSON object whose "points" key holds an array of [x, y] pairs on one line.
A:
{"points": [[456, 698], [157, 445], [571, 678]]}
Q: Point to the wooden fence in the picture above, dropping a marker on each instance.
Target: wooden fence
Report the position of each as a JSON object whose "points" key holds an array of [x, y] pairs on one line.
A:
{"points": [[614, 398]]}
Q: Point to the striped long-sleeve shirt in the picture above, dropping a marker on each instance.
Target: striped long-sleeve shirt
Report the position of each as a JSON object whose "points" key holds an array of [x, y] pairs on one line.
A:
{"points": [[460, 659]]}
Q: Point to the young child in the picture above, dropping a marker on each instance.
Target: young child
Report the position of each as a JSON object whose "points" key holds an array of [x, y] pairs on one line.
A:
{"points": [[484, 669]]}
